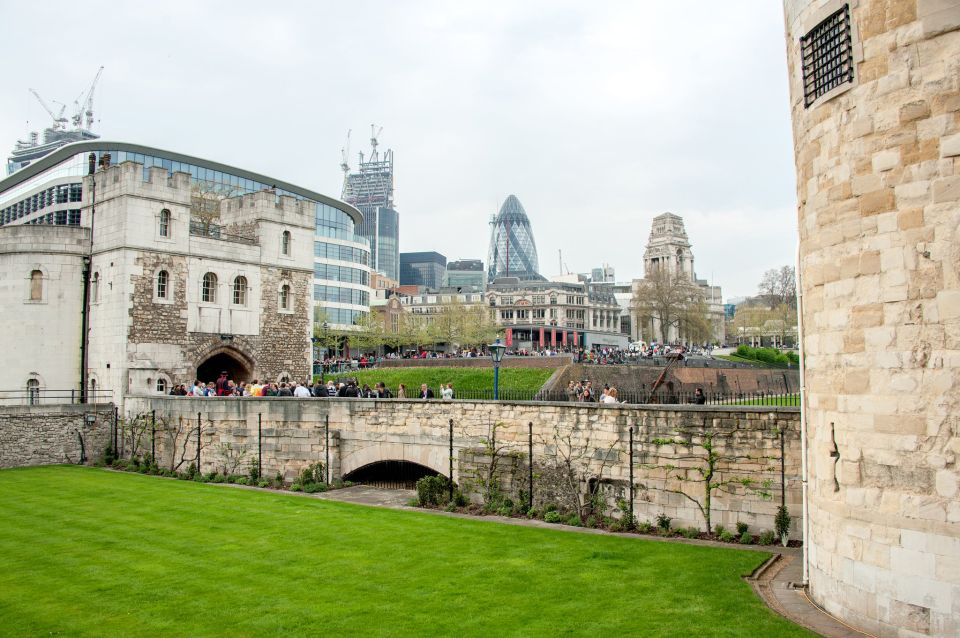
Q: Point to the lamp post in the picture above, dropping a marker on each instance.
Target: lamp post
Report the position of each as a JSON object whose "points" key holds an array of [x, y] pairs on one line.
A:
{"points": [[496, 353]]}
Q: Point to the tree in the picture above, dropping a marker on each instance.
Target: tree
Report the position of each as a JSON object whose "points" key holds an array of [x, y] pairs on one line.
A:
{"points": [[778, 286], [206, 199], [671, 301]]}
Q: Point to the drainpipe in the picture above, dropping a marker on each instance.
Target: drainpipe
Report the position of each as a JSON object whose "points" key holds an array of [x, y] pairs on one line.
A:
{"points": [[805, 525], [85, 311]]}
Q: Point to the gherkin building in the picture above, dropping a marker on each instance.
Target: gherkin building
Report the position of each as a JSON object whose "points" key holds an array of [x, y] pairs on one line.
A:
{"points": [[513, 252]]}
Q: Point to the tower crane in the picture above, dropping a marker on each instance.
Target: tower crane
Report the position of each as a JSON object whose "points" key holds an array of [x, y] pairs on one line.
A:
{"points": [[345, 155], [374, 134], [83, 116], [59, 122]]}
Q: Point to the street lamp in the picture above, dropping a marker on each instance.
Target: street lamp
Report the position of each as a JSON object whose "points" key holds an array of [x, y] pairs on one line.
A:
{"points": [[496, 353]]}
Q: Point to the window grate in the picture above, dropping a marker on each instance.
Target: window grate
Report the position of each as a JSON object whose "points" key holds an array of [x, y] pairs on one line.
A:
{"points": [[827, 52]]}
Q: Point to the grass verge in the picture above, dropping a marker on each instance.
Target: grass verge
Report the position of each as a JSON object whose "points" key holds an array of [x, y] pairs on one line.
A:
{"points": [[92, 553], [463, 379]]}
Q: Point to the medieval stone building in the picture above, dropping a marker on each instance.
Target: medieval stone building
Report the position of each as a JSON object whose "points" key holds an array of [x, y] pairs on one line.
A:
{"points": [[875, 97]]}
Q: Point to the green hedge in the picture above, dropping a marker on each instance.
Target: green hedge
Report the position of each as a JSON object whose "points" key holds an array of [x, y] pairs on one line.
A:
{"points": [[768, 355]]}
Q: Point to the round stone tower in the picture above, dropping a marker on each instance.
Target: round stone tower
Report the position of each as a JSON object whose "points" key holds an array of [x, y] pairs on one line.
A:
{"points": [[875, 98]]}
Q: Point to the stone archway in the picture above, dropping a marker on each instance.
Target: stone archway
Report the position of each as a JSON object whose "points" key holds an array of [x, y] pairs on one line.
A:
{"points": [[237, 366]]}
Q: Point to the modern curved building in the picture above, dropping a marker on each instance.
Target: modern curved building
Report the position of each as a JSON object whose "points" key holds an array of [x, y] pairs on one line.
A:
{"points": [[174, 294], [513, 252]]}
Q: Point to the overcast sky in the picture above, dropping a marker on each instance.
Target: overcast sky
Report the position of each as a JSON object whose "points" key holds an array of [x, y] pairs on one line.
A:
{"points": [[597, 116]]}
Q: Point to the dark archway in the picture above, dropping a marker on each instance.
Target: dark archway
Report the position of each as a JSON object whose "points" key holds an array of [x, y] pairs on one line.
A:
{"points": [[395, 475], [235, 368]]}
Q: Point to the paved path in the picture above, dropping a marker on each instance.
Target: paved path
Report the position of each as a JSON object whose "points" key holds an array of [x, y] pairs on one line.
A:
{"points": [[773, 582]]}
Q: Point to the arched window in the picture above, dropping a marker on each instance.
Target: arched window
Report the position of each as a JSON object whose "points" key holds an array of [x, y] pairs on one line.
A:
{"points": [[162, 386], [93, 390], [240, 291], [284, 297], [33, 391], [165, 223], [95, 288], [285, 243], [163, 284], [208, 292], [36, 285]]}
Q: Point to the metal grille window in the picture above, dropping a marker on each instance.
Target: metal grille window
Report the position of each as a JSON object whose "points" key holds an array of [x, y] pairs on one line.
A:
{"points": [[827, 53]]}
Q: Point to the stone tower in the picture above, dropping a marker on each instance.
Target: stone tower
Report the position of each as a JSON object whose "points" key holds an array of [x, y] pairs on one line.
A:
{"points": [[875, 98], [669, 247]]}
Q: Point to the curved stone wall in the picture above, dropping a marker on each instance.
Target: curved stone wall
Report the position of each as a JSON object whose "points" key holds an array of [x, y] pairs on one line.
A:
{"points": [[878, 187]]}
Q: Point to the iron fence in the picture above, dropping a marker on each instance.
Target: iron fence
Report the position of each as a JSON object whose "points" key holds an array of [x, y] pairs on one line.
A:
{"points": [[43, 396]]}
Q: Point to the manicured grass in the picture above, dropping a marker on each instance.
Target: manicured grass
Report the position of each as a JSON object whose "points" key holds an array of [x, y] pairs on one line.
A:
{"points": [[750, 362], [86, 552], [787, 400], [463, 379]]}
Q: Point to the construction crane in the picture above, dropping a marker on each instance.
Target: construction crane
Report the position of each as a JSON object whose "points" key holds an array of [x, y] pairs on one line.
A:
{"points": [[59, 122], [345, 155], [374, 134], [83, 115]]}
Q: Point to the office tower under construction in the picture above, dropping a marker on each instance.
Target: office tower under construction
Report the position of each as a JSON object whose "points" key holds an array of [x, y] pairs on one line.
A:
{"points": [[370, 189]]}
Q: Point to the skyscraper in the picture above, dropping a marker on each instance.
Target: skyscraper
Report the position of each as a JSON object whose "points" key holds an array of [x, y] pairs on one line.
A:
{"points": [[513, 252], [370, 189]]}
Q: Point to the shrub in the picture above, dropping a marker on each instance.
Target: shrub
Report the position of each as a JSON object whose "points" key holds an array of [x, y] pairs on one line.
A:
{"points": [[505, 511], [254, 472], [295, 487], [574, 520], [432, 490], [742, 528], [217, 478], [627, 522], [591, 521], [746, 538], [718, 529], [313, 488], [451, 506], [644, 527], [767, 537], [109, 455], [263, 483], [459, 499], [243, 480], [312, 474], [726, 536], [663, 522], [552, 516], [278, 479], [550, 507], [782, 524], [690, 532]]}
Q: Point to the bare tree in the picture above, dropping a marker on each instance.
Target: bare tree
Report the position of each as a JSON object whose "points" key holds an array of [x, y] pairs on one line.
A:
{"points": [[778, 286], [206, 201], [672, 301], [576, 476]]}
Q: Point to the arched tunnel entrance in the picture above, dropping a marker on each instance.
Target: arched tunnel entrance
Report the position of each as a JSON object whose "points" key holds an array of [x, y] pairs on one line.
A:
{"points": [[222, 361], [394, 475]]}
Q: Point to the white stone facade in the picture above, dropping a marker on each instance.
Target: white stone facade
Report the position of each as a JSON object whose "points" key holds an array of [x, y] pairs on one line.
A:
{"points": [[878, 180]]}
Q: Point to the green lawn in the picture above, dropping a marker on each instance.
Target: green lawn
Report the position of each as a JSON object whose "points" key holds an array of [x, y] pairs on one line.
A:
{"points": [[751, 362], [85, 552], [787, 400], [464, 380]]}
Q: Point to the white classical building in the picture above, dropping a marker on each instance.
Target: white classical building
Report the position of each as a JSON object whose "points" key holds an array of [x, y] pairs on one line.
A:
{"points": [[669, 250]]}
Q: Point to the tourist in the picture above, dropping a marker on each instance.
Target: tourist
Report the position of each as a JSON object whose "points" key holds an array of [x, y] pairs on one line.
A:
{"points": [[698, 397], [402, 391], [284, 390], [425, 392], [366, 393], [331, 388], [301, 392], [223, 385], [383, 392], [571, 391], [610, 396], [446, 393]]}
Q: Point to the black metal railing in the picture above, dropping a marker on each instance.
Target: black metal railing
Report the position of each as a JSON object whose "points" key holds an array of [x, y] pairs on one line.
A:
{"points": [[43, 396]]}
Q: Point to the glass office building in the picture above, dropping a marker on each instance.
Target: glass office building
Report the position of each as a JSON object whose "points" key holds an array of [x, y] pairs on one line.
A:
{"points": [[50, 189], [423, 269], [513, 253]]}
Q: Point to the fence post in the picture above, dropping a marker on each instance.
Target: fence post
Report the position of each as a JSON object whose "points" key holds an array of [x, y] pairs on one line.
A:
{"points": [[153, 436], [199, 425], [530, 457], [631, 475], [783, 470], [259, 446], [451, 460], [326, 445]]}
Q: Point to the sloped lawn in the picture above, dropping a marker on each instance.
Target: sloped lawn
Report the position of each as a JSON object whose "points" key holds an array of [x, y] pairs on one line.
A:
{"points": [[86, 552]]}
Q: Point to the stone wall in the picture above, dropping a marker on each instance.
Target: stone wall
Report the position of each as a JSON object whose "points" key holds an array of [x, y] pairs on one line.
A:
{"points": [[878, 189], [51, 434], [686, 380], [369, 431]]}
